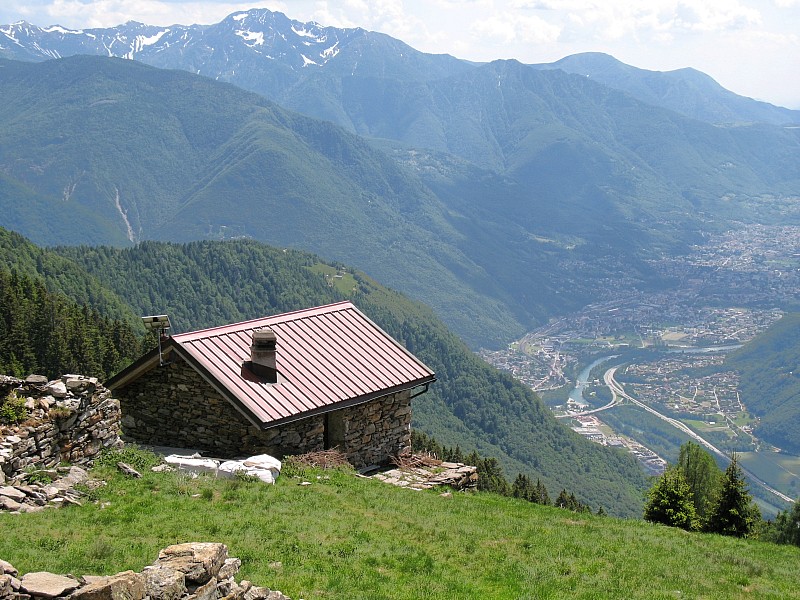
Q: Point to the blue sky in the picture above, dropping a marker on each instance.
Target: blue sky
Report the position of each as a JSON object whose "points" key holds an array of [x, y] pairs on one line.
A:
{"points": [[751, 47]]}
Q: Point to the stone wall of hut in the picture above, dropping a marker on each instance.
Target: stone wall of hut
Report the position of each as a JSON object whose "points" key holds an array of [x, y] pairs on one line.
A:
{"points": [[174, 406]]}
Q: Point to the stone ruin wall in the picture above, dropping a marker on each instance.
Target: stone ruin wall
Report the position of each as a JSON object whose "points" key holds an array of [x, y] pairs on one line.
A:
{"points": [[190, 571], [174, 406], [70, 419]]}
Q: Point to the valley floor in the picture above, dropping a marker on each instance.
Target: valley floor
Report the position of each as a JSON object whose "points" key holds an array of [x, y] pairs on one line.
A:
{"points": [[670, 349]]}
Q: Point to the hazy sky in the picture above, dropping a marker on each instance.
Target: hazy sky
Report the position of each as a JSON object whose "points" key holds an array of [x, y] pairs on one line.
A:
{"points": [[751, 47]]}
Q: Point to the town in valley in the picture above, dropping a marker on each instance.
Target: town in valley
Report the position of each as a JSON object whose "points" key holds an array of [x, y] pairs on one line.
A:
{"points": [[665, 350]]}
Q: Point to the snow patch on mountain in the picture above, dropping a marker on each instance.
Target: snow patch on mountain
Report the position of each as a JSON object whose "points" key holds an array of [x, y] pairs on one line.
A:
{"points": [[329, 53], [46, 51], [303, 32], [140, 42], [59, 29], [307, 61], [251, 38], [239, 16]]}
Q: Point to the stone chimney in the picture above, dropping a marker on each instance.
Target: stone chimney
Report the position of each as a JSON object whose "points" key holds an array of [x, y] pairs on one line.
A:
{"points": [[263, 353]]}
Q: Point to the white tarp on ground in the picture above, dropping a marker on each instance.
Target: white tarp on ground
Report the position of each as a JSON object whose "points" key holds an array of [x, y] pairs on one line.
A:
{"points": [[263, 466]]}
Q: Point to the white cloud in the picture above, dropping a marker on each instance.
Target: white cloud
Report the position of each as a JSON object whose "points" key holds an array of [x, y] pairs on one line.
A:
{"points": [[509, 28], [106, 13]]}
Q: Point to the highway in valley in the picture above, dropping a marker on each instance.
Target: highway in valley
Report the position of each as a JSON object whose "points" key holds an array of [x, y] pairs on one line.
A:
{"points": [[619, 394]]}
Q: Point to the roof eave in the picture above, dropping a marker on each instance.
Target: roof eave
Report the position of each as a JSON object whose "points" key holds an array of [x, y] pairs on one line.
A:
{"points": [[137, 368], [350, 402]]}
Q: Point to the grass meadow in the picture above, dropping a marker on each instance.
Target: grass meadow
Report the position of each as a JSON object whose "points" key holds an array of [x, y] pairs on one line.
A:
{"points": [[349, 537]]}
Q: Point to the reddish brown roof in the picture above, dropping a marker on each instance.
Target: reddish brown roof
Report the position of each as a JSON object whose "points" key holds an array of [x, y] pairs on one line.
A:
{"points": [[328, 357]]}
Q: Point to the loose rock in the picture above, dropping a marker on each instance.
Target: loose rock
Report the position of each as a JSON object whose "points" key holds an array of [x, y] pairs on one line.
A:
{"points": [[47, 585]]}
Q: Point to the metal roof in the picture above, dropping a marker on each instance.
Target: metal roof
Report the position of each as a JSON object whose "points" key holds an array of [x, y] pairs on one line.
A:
{"points": [[328, 357]]}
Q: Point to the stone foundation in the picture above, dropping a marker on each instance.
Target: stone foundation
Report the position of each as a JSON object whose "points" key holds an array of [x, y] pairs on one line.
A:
{"points": [[69, 420], [174, 406]]}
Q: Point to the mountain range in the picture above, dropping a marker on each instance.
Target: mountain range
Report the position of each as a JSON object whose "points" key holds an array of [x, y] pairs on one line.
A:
{"points": [[269, 53], [500, 193]]}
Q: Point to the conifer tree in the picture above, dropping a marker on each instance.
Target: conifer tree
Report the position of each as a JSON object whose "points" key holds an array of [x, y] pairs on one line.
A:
{"points": [[787, 526], [542, 497], [734, 513], [703, 476], [670, 502], [523, 488]]}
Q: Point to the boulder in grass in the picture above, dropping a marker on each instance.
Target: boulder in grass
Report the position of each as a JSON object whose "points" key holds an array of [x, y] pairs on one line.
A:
{"points": [[263, 466], [193, 464], [7, 568], [199, 562], [163, 583]]}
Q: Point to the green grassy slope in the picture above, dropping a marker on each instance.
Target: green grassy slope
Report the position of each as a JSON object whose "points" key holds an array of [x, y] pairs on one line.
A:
{"points": [[344, 537]]}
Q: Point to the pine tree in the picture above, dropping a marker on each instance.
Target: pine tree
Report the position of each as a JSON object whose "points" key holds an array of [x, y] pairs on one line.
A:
{"points": [[703, 476], [734, 513], [491, 478], [787, 526], [542, 497], [523, 488], [670, 502]]}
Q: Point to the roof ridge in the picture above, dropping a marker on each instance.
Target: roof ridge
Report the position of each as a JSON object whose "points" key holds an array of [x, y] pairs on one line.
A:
{"points": [[251, 323]]}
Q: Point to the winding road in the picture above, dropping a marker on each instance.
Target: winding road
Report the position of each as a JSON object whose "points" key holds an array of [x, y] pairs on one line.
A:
{"points": [[619, 394]]}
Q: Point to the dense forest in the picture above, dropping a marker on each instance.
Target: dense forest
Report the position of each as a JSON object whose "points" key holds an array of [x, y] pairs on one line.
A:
{"points": [[47, 334], [203, 284], [770, 382]]}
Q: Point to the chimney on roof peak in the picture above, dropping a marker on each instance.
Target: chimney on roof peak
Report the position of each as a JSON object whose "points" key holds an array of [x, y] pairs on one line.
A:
{"points": [[263, 352]]}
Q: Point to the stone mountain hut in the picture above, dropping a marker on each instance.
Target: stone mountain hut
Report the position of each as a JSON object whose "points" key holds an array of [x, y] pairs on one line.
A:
{"points": [[298, 382]]}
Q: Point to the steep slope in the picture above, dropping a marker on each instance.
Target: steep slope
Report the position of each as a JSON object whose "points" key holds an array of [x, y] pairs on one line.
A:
{"points": [[62, 276], [204, 284], [770, 382], [561, 132], [146, 153], [685, 91], [578, 182]]}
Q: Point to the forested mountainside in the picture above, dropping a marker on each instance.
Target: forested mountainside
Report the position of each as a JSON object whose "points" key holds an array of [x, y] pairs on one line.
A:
{"points": [[201, 284], [48, 334], [100, 150], [770, 382]]}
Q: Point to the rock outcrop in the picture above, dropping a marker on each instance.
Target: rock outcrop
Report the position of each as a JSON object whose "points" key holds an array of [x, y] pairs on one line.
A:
{"points": [[192, 571]]}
